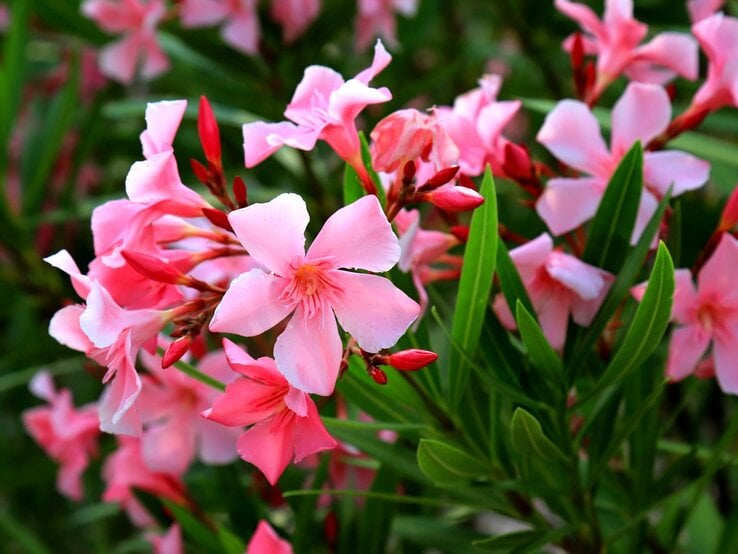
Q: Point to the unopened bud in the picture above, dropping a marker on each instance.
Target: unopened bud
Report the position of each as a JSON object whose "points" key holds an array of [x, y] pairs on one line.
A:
{"points": [[454, 198], [379, 376], [411, 360], [153, 268], [517, 163], [217, 218], [441, 178], [240, 193], [408, 171], [730, 212], [175, 351], [207, 128], [461, 232], [200, 171]]}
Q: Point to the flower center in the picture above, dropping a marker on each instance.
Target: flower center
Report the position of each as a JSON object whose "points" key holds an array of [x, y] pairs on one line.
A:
{"points": [[307, 279]]}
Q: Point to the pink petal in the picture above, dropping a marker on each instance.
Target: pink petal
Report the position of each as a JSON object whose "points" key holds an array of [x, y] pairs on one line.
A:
{"points": [[68, 480], [274, 232], [352, 97], [687, 346], [119, 59], [263, 370], [170, 446], [725, 353], [583, 279], [243, 31], [532, 255], [251, 305], [503, 313], [154, 60], [169, 543], [308, 352], [266, 541], [584, 311], [357, 236], [567, 203], [297, 401], [246, 402], [162, 121], [646, 209], [685, 296], [553, 315], [64, 328], [581, 14], [202, 13], [217, 443], [313, 91], [641, 113], [295, 16], [157, 179], [373, 310], [677, 51], [261, 140], [269, 447], [63, 260], [381, 60], [42, 386], [572, 134], [494, 118], [717, 277], [311, 435], [117, 414], [669, 167]]}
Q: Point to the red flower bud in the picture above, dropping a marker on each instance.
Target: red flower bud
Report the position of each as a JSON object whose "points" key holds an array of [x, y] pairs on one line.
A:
{"points": [[454, 198], [441, 178], [175, 351], [153, 268], [200, 171], [461, 232], [730, 212], [207, 128], [411, 360], [517, 163], [379, 376], [217, 218], [240, 192]]}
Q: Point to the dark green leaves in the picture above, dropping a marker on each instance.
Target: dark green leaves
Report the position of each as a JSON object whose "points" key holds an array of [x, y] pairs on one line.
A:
{"points": [[529, 440], [446, 464], [475, 285]]}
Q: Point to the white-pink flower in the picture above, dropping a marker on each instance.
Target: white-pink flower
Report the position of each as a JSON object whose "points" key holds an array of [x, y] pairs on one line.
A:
{"points": [[706, 315], [67, 434], [718, 36], [558, 285], [314, 286], [572, 134], [616, 39], [137, 21]]}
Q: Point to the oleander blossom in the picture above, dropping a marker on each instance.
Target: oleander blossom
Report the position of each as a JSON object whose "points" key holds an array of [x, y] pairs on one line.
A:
{"points": [[266, 541], [284, 422], [314, 287], [572, 134], [718, 37], [706, 315], [558, 284]]}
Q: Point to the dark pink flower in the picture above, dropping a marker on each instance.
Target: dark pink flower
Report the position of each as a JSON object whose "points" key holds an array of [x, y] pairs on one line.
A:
{"points": [[314, 288], [266, 541], [285, 424]]}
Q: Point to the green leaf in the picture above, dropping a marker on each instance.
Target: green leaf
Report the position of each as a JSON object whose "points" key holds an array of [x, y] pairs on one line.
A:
{"points": [[352, 189], [376, 519], [14, 533], [612, 226], [366, 157], [522, 541], [193, 529], [510, 282], [648, 325], [436, 533], [475, 285], [447, 464], [542, 355], [528, 438], [231, 543]]}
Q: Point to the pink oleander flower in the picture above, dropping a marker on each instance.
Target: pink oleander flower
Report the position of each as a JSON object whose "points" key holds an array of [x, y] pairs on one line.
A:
{"points": [[718, 36], [170, 407], [266, 541], [615, 41], [4, 17], [702, 9], [295, 16], [110, 335], [558, 285], [285, 424], [240, 19], [422, 251], [475, 124], [137, 21], [125, 470], [67, 434], [314, 288], [572, 134], [323, 107], [168, 543], [377, 18], [706, 316]]}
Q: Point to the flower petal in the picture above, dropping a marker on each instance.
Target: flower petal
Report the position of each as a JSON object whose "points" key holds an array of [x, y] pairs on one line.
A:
{"points": [[64, 327], [584, 280], [725, 352], [246, 402], [274, 232], [567, 203], [266, 541], [117, 414], [169, 447], [581, 14], [666, 168], [717, 277], [373, 310], [572, 134], [641, 113], [261, 140], [677, 51], [269, 447], [308, 352], [687, 346], [381, 60], [357, 236], [311, 435]]}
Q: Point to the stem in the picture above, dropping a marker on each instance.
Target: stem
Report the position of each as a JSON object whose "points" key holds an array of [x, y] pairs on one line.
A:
{"points": [[192, 371]]}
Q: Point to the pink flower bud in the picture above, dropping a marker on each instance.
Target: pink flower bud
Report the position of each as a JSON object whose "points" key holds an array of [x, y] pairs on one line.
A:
{"points": [[153, 268], [403, 135], [175, 351], [454, 198], [411, 360], [207, 128]]}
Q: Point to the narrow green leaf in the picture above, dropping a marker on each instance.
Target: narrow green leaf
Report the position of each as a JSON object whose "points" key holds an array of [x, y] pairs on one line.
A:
{"points": [[14, 533], [528, 438], [542, 355], [612, 226], [510, 282], [352, 189], [436, 534], [447, 464], [193, 529], [475, 285], [231, 543], [376, 520], [523, 541], [648, 325], [366, 156]]}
